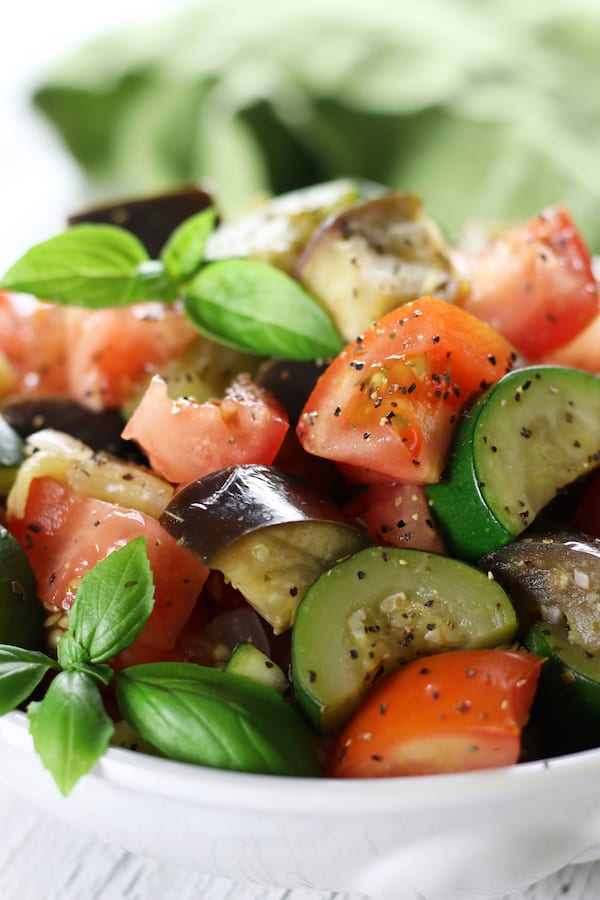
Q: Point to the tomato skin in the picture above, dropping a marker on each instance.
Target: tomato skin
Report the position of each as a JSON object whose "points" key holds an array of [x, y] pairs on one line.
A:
{"points": [[452, 712], [389, 402], [65, 533], [185, 439], [534, 284], [396, 515]]}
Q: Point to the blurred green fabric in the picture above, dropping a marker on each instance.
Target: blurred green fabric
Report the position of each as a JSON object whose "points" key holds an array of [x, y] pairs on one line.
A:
{"points": [[490, 109]]}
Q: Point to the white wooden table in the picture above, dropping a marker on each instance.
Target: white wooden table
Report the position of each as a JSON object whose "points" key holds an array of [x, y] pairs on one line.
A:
{"points": [[42, 859]]}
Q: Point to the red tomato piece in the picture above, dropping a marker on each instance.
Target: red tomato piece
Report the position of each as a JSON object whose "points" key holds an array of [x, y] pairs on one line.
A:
{"points": [[111, 352], [451, 712], [185, 439], [99, 357], [32, 342], [396, 515], [583, 352], [534, 284], [65, 533], [390, 401]]}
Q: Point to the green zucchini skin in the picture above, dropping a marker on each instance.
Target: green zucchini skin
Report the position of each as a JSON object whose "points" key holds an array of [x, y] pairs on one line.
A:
{"points": [[567, 705], [383, 607], [534, 432]]}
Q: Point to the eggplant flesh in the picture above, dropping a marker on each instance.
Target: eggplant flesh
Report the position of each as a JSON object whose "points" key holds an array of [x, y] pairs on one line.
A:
{"points": [[553, 576], [374, 257], [270, 535]]}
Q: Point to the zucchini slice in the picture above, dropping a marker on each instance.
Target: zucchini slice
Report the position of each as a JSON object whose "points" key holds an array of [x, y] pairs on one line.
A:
{"points": [[568, 696], [381, 608], [534, 432], [248, 660]]}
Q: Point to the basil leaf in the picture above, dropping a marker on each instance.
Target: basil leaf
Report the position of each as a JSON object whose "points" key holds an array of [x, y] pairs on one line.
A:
{"points": [[70, 652], [89, 265], [258, 308], [20, 673], [99, 671], [113, 603], [183, 254], [70, 728], [206, 716], [21, 613], [73, 655]]}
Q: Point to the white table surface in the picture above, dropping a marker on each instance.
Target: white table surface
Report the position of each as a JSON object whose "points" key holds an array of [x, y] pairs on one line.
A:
{"points": [[42, 859]]}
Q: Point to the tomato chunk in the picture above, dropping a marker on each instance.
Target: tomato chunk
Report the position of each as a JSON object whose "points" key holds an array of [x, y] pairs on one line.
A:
{"points": [[111, 352], [396, 515], [451, 712], [185, 439], [534, 284], [98, 357], [389, 402], [32, 347], [65, 534]]}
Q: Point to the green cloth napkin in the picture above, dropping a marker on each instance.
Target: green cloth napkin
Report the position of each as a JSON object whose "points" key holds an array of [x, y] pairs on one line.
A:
{"points": [[490, 109]]}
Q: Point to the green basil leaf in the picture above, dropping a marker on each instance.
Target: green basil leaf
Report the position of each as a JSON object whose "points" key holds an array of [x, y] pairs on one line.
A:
{"points": [[99, 671], [21, 613], [209, 717], [74, 657], [113, 603], [70, 728], [183, 254], [70, 652], [258, 308], [89, 265], [20, 673]]}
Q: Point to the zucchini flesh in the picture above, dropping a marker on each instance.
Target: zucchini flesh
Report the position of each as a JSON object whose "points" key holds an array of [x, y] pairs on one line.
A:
{"points": [[248, 660], [381, 608], [534, 432]]}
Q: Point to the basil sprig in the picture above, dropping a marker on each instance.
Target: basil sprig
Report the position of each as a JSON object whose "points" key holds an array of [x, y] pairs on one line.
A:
{"points": [[211, 717], [242, 303], [188, 712]]}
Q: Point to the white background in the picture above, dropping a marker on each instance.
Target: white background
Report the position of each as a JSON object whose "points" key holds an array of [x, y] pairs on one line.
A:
{"points": [[39, 184]]}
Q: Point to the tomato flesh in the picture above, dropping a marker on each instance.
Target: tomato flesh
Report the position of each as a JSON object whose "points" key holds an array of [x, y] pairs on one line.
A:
{"points": [[535, 284], [185, 439], [452, 712], [389, 402], [65, 534]]}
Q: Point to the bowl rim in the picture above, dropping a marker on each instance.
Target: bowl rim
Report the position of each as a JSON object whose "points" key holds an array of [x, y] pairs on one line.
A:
{"points": [[140, 773]]}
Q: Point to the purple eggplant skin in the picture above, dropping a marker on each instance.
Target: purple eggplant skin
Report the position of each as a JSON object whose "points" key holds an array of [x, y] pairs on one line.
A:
{"points": [[99, 430], [211, 513], [291, 383], [553, 576], [151, 219]]}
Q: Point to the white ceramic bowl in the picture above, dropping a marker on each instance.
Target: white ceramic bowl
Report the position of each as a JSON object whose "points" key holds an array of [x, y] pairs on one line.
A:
{"points": [[448, 837]]}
